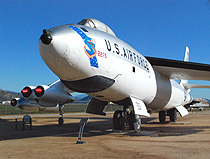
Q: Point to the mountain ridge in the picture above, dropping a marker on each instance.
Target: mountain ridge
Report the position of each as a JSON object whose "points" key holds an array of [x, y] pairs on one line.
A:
{"points": [[8, 95]]}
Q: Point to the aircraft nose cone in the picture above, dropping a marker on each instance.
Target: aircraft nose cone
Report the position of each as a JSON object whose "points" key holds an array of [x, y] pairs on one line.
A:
{"points": [[46, 37]]}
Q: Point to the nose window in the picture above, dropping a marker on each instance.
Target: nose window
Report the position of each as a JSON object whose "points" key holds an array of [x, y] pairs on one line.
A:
{"points": [[85, 30]]}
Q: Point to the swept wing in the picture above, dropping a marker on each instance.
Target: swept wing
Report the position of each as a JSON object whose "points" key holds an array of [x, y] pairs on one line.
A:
{"points": [[180, 70]]}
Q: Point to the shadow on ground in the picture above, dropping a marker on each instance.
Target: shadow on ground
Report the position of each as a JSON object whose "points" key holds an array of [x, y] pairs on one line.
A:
{"points": [[95, 127]]}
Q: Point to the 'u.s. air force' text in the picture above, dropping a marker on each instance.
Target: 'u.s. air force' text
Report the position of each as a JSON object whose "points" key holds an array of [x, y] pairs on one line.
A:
{"points": [[128, 54]]}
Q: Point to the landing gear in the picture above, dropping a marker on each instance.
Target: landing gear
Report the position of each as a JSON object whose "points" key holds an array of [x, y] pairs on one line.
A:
{"points": [[137, 123], [119, 120], [162, 116], [171, 113], [60, 120], [126, 119]]}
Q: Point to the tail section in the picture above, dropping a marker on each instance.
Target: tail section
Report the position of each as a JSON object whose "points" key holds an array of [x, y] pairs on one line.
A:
{"points": [[186, 59], [184, 83]]}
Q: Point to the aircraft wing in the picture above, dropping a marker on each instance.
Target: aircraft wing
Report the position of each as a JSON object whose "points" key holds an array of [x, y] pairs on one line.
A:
{"points": [[175, 69]]}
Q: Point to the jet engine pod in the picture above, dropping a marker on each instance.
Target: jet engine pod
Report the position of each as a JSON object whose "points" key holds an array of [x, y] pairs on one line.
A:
{"points": [[28, 92], [14, 102], [31, 105], [51, 96], [39, 91]]}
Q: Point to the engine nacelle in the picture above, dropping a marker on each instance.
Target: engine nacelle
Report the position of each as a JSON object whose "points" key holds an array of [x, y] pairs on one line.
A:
{"points": [[28, 92], [31, 106], [50, 96], [14, 102]]}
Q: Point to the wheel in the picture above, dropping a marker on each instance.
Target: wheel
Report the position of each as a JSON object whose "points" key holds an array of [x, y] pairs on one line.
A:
{"points": [[60, 121], [173, 115], [116, 117], [162, 116], [118, 120], [131, 120], [137, 123]]}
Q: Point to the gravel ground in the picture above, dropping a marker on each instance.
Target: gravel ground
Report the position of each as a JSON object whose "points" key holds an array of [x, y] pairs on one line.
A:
{"points": [[188, 138]]}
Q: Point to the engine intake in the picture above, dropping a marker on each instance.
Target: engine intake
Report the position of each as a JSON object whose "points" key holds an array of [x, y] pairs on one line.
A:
{"points": [[51, 96], [26, 92], [13, 102], [39, 91]]}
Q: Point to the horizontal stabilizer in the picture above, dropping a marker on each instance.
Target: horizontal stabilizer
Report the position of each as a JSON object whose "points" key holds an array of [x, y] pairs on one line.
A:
{"points": [[195, 86]]}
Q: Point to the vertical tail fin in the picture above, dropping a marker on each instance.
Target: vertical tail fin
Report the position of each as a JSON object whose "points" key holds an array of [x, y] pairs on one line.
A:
{"points": [[186, 59]]}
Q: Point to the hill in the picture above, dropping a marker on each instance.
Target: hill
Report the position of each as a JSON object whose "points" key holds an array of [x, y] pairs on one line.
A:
{"points": [[84, 98], [87, 98], [7, 95]]}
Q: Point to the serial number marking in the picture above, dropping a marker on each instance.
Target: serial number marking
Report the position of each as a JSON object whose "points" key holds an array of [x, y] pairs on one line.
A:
{"points": [[102, 54]]}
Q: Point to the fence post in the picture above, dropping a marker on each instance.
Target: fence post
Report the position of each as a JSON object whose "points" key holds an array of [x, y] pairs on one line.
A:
{"points": [[5, 111]]}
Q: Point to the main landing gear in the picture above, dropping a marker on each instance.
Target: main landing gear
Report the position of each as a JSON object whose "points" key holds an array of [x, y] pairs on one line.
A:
{"points": [[171, 113], [126, 119], [60, 120]]}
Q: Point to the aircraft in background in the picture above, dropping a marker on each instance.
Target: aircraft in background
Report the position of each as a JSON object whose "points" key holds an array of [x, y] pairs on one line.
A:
{"points": [[89, 58], [198, 103]]}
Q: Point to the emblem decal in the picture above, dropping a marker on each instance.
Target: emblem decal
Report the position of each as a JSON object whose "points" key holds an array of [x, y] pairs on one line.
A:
{"points": [[89, 46]]}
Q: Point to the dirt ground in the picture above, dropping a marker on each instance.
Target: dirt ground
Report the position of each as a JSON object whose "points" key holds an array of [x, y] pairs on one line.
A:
{"points": [[188, 138]]}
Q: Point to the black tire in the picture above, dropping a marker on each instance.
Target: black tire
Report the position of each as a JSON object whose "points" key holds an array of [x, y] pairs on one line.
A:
{"points": [[162, 116], [118, 120], [60, 121], [173, 115], [131, 120]]}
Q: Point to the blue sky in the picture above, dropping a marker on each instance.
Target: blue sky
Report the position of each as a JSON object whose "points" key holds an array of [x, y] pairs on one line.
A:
{"points": [[160, 28]]}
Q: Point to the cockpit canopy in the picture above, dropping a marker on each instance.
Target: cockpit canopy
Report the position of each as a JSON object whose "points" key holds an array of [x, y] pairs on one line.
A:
{"points": [[93, 23]]}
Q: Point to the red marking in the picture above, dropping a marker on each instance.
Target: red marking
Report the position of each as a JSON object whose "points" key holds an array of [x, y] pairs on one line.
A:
{"points": [[102, 54], [25, 91], [38, 90]]}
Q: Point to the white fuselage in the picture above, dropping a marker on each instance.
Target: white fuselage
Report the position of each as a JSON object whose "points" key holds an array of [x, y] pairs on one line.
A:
{"points": [[78, 53]]}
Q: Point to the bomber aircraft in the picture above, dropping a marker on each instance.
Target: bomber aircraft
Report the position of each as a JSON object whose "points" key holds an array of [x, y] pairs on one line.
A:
{"points": [[89, 58]]}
